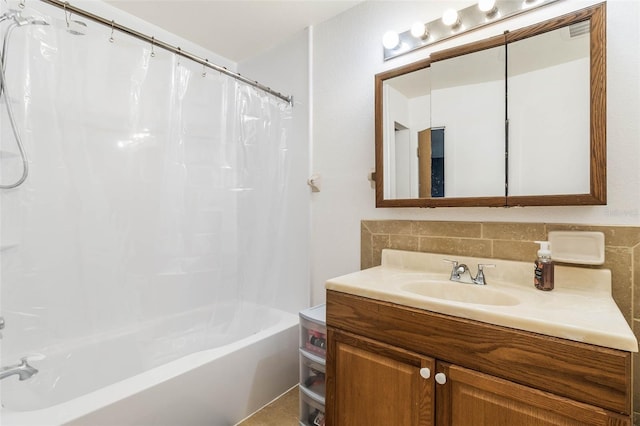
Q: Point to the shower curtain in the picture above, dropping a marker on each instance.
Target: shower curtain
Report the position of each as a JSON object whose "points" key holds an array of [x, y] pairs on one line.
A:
{"points": [[156, 187]]}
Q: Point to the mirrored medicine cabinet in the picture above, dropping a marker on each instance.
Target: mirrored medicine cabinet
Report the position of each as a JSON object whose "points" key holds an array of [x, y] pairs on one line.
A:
{"points": [[514, 120]]}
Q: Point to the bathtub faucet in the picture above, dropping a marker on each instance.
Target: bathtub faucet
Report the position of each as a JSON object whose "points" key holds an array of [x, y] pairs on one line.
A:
{"points": [[23, 370]]}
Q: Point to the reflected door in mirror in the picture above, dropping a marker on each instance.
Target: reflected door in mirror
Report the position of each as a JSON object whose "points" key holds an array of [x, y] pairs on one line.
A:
{"points": [[406, 112], [431, 163]]}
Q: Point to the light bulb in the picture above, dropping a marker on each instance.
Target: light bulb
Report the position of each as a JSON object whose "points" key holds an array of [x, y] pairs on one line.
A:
{"points": [[487, 6], [418, 30], [390, 40], [450, 17]]}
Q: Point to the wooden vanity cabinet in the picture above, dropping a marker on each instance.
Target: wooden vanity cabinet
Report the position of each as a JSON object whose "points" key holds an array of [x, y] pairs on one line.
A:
{"points": [[471, 398], [380, 384], [388, 364]]}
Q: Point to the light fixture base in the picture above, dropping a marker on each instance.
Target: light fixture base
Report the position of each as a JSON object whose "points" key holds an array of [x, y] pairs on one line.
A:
{"points": [[470, 18]]}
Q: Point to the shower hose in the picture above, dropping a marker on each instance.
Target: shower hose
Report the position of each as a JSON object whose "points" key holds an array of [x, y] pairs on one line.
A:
{"points": [[12, 121]]}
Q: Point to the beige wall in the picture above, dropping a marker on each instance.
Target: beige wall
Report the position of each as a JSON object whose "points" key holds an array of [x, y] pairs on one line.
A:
{"points": [[513, 241]]}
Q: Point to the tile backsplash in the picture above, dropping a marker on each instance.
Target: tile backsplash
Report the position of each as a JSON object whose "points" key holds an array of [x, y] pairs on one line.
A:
{"points": [[514, 241]]}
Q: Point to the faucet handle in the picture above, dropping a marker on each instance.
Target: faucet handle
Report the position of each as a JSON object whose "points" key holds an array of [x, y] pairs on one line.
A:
{"points": [[481, 266], [479, 279]]}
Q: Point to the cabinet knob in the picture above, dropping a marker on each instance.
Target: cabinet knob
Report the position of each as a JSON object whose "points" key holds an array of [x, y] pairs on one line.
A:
{"points": [[441, 378], [425, 373]]}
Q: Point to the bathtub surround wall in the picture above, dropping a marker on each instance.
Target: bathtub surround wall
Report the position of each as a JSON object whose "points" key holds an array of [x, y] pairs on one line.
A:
{"points": [[268, 67], [155, 190], [513, 241]]}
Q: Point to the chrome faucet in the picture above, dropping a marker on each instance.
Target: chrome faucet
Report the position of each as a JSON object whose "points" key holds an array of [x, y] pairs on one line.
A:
{"points": [[461, 273], [23, 370]]}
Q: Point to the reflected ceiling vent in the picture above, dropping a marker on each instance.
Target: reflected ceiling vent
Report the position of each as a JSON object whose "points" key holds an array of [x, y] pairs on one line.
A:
{"points": [[581, 28]]}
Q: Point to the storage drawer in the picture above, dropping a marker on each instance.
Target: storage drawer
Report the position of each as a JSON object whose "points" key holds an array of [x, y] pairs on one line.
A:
{"points": [[313, 330], [312, 373], [311, 409]]}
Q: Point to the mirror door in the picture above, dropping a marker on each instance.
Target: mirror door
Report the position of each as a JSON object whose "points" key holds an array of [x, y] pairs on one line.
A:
{"points": [[468, 102], [549, 112], [406, 113]]}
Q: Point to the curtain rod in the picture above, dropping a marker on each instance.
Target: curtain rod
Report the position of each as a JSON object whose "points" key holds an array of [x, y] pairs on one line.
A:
{"points": [[176, 50]]}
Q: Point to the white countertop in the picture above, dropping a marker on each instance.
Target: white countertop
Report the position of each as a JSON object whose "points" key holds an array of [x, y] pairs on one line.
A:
{"points": [[580, 308]]}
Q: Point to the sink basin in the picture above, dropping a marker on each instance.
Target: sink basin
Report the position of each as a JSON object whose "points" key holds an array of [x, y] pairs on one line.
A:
{"points": [[458, 292]]}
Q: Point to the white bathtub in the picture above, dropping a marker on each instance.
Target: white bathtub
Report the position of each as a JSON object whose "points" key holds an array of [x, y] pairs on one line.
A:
{"points": [[160, 374]]}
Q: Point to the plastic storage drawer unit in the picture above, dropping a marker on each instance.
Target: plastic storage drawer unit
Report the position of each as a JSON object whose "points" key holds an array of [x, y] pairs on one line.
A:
{"points": [[312, 369], [313, 349]]}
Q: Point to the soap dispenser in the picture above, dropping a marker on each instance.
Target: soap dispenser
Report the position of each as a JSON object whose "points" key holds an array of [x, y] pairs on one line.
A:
{"points": [[543, 277]]}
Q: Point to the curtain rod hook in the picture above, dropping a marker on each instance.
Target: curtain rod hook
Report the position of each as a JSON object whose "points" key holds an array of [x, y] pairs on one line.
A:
{"points": [[153, 41], [66, 13], [111, 40], [204, 68]]}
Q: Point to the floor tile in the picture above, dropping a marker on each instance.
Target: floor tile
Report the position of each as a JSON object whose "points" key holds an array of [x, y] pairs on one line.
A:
{"points": [[281, 412]]}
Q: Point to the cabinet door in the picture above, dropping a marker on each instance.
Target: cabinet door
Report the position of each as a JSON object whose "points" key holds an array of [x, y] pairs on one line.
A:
{"points": [[469, 398], [371, 383]]}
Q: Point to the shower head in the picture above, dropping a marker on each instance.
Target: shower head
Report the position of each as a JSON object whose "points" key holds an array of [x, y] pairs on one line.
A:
{"points": [[15, 16], [19, 20]]}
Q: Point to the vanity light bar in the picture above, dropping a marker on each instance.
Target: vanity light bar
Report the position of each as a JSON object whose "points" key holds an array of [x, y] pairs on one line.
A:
{"points": [[454, 23]]}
